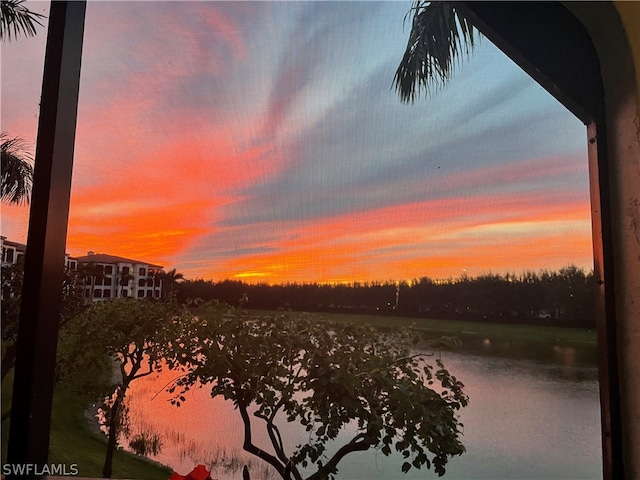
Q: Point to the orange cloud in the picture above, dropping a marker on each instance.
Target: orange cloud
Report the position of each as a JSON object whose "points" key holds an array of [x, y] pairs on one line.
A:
{"points": [[161, 200], [15, 221], [154, 234], [437, 239]]}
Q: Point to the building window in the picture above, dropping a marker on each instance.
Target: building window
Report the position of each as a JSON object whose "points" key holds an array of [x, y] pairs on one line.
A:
{"points": [[142, 282], [125, 293], [140, 293], [150, 272], [98, 281], [149, 294], [97, 293], [106, 294], [125, 270], [107, 281], [108, 269], [143, 271], [8, 255]]}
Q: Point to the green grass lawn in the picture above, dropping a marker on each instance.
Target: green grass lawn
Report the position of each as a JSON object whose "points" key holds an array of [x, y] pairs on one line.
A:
{"points": [[72, 441], [435, 327]]}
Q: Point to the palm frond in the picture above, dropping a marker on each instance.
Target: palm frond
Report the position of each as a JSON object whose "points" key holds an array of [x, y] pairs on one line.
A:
{"points": [[17, 170], [440, 36], [17, 19]]}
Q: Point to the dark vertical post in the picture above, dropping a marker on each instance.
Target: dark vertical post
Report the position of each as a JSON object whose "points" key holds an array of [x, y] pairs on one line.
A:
{"points": [[46, 240], [606, 320]]}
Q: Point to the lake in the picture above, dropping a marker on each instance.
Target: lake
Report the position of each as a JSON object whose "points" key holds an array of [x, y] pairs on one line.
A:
{"points": [[533, 414]]}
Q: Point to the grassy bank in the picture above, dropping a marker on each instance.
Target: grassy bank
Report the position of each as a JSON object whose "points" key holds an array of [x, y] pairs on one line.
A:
{"points": [[72, 441], [436, 327]]}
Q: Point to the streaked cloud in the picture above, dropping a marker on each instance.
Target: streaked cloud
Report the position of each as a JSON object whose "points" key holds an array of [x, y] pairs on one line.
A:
{"points": [[262, 141]]}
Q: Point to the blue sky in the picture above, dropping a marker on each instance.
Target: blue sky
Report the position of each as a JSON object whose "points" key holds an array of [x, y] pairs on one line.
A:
{"points": [[263, 141]]}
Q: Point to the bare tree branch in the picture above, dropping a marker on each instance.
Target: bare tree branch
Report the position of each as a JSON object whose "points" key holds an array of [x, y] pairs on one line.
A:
{"points": [[251, 448], [357, 444]]}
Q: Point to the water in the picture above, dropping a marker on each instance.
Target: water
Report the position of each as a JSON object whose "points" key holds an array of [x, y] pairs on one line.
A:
{"points": [[531, 416]]}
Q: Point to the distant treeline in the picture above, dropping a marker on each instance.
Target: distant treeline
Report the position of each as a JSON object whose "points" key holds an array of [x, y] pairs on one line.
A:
{"points": [[563, 297]]}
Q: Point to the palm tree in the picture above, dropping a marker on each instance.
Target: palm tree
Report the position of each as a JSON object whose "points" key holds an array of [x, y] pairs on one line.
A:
{"points": [[17, 19], [92, 272], [17, 170], [125, 278], [440, 35], [169, 279]]}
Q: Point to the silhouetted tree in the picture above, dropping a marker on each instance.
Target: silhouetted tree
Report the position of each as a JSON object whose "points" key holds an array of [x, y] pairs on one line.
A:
{"points": [[324, 377], [440, 35], [169, 281], [17, 20], [17, 170], [136, 333], [92, 273]]}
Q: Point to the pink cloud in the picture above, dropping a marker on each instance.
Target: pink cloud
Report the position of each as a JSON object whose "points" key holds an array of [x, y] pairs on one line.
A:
{"points": [[225, 26], [530, 169]]}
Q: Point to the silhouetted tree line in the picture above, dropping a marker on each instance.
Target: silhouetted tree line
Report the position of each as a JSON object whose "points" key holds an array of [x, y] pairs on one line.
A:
{"points": [[563, 297]]}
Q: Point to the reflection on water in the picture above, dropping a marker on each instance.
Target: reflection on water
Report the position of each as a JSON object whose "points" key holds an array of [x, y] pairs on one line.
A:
{"points": [[533, 414], [528, 420], [569, 362], [203, 430]]}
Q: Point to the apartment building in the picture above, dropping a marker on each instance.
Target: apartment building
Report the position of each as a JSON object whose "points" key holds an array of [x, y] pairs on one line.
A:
{"points": [[103, 276], [110, 276], [11, 251]]}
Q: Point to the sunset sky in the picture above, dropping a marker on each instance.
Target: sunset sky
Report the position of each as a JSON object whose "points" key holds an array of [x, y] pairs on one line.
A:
{"points": [[263, 141]]}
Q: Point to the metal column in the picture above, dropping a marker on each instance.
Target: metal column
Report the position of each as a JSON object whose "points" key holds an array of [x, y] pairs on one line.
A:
{"points": [[44, 258]]}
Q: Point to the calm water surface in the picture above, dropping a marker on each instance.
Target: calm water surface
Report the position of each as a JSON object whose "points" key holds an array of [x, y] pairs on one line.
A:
{"points": [[531, 415]]}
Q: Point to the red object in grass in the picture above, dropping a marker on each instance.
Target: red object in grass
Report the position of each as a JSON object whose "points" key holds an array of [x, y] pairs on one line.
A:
{"points": [[198, 473]]}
